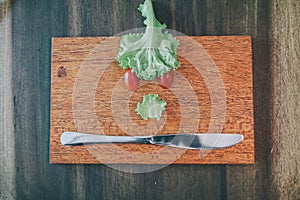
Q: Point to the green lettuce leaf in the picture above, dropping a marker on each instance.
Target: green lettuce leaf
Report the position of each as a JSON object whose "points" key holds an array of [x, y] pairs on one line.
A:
{"points": [[149, 54], [151, 107]]}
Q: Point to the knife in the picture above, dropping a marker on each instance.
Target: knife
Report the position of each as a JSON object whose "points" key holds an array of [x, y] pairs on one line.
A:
{"points": [[207, 141]]}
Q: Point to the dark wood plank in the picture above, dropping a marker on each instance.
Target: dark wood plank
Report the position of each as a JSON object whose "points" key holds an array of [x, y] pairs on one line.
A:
{"points": [[7, 144], [285, 62], [31, 32]]}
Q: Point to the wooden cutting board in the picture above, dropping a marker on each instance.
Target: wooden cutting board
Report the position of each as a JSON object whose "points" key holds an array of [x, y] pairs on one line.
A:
{"points": [[212, 92]]}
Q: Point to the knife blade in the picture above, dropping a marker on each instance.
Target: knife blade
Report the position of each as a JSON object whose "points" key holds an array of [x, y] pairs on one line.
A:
{"points": [[207, 141]]}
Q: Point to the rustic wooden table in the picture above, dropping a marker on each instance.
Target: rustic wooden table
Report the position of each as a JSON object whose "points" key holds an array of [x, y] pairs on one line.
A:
{"points": [[26, 28]]}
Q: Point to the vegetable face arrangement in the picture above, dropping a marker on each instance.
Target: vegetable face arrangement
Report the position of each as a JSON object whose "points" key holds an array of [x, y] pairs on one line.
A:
{"points": [[148, 56]]}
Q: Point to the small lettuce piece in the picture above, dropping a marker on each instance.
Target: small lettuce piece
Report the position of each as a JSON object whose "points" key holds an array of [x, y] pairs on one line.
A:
{"points": [[150, 54], [151, 107]]}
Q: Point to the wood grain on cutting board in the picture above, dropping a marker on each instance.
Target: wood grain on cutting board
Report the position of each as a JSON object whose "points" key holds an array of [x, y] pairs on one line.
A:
{"points": [[87, 84]]}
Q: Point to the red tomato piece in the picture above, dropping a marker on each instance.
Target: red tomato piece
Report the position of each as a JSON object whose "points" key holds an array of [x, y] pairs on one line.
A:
{"points": [[131, 81], [166, 80]]}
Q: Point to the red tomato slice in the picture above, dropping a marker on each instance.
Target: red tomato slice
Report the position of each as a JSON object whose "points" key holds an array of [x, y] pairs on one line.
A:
{"points": [[131, 81], [166, 80]]}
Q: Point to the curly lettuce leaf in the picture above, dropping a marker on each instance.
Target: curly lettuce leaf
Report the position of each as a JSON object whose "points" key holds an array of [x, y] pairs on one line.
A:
{"points": [[150, 54], [151, 107]]}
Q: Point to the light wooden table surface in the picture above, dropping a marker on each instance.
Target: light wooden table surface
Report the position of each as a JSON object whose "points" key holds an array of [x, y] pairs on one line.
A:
{"points": [[26, 29]]}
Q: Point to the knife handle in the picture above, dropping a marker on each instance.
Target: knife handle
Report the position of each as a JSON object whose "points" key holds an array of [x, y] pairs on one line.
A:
{"points": [[75, 138]]}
